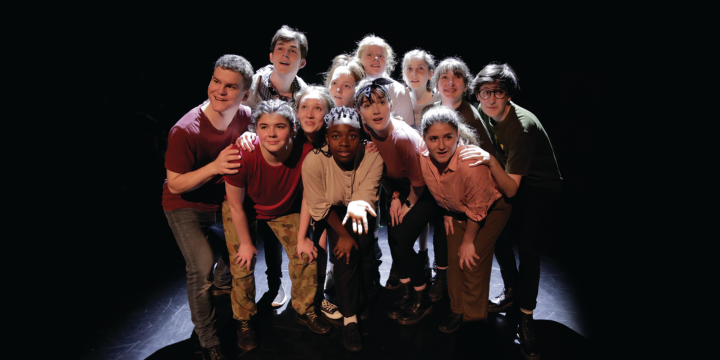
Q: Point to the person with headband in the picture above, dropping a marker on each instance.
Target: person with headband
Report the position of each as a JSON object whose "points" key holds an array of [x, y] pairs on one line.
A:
{"points": [[409, 208], [341, 188], [272, 178], [378, 60], [344, 73], [527, 156], [474, 213]]}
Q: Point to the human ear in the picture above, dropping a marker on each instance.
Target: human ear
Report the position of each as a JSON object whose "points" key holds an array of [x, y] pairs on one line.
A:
{"points": [[271, 58], [302, 64], [246, 96]]}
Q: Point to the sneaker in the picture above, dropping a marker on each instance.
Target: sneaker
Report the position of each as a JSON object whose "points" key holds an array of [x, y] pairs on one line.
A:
{"points": [[280, 298], [213, 353], [245, 335], [313, 322], [330, 310]]}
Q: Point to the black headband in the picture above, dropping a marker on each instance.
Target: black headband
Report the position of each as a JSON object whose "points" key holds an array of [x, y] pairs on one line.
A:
{"points": [[375, 84]]}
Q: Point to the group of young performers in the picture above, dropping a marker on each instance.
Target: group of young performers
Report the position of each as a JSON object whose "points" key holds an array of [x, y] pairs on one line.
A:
{"points": [[301, 168]]}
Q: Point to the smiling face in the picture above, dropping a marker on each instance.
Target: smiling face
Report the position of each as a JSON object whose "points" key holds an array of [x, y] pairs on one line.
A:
{"points": [[274, 131], [375, 112], [286, 57], [225, 90], [311, 110], [442, 141], [493, 107], [343, 142], [451, 87], [416, 73], [373, 60], [342, 87]]}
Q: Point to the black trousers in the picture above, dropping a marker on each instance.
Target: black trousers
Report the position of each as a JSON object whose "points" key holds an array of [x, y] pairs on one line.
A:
{"points": [[353, 279], [530, 224], [401, 237]]}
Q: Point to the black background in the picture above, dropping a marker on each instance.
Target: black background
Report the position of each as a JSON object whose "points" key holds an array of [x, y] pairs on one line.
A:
{"points": [[153, 71]]}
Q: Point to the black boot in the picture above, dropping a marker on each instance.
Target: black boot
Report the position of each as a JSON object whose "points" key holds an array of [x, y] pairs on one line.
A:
{"points": [[419, 307], [526, 334], [451, 323], [403, 297], [352, 338], [501, 302], [439, 285], [393, 281]]}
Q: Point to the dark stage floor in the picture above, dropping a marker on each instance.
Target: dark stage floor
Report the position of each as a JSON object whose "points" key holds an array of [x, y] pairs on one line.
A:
{"points": [[157, 326]]}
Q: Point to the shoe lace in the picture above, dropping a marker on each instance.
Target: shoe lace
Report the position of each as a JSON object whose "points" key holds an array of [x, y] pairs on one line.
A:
{"points": [[527, 329], [214, 352], [312, 316], [328, 306], [245, 325]]}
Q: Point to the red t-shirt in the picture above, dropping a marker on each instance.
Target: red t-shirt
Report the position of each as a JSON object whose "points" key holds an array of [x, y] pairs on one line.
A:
{"points": [[193, 143], [275, 190]]}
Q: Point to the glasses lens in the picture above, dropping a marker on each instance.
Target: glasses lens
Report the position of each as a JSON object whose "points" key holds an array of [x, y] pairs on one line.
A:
{"points": [[499, 93], [485, 94]]}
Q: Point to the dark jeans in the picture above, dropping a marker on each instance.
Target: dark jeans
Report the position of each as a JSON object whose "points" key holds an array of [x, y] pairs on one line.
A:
{"points": [[201, 239], [354, 280], [402, 237], [440, 243], [273, 252], [531, 219]]}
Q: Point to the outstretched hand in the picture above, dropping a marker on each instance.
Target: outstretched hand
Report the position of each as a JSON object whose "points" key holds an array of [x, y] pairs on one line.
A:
{"points": [[357, 210]]}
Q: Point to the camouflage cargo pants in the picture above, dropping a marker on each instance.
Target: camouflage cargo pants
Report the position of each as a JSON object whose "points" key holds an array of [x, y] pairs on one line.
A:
{"points": [[303, 273]]}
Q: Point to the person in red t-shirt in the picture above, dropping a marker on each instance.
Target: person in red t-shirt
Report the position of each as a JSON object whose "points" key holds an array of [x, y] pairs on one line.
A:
{"points": [[198, 155], [272, 178]]}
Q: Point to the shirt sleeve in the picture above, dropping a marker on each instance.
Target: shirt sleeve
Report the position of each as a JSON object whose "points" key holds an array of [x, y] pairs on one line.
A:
{"points": [[180, 155], [315, 187], [410, 154], [479, 190], [521, 146], [369, 184]]}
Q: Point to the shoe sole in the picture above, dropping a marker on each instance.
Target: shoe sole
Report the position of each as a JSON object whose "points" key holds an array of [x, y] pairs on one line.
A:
{"points": [[413, 322], [311, 329], [500, 309], [436, 300], [246, 349], [448, 331], [392, 287]]}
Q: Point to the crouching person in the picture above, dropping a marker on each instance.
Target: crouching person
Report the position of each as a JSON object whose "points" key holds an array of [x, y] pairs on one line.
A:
{"points": [[272, 178], [341, 188], [475, 213]]}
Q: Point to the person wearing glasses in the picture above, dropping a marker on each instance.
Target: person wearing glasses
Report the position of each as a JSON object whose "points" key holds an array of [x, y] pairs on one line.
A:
{"points": [[523, 148]]}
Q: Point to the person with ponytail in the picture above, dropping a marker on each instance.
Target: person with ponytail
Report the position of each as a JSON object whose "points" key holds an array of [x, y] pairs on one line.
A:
{"points": [[475, 213]]}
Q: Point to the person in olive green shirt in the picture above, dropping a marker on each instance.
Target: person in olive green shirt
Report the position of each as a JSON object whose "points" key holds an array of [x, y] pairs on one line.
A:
{"points": [[524, 150]]}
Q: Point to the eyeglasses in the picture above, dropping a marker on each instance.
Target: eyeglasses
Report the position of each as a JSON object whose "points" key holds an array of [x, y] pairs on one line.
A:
{"points": [[499, 94]]}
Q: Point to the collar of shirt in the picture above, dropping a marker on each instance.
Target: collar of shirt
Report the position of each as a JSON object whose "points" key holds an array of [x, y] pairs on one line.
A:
{"points": [[267, 89]]}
